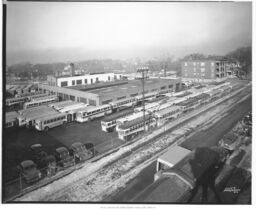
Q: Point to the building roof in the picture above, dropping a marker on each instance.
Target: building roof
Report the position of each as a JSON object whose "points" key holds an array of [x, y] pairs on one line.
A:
{"points": [[167, 189], [174, 155], [133, 86]]}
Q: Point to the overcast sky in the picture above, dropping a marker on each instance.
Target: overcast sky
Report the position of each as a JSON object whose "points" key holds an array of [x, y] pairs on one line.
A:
{"points": [[48, 32]]}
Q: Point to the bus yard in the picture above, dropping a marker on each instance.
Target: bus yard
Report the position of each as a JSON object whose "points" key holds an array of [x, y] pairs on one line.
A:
{"points": [[96, 134]]}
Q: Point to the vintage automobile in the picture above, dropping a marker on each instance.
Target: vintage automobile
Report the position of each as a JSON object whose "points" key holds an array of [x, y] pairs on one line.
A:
{"points": [[29, 171]]}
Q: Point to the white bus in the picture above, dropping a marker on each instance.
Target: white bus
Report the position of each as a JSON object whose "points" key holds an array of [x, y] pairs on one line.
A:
{"points": [[129, 102], [50, 121], [90, 113], [108, 124], [41, 102]]}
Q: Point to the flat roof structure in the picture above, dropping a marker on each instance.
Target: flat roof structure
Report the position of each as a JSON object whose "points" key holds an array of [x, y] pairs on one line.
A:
{"points": [[104, 93]]}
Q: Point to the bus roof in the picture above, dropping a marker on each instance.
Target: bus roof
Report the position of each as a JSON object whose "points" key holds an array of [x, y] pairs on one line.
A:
{"points": [[41, 114], [40, 110], [167, 110], [11, 116], [43, 98], [184, 94], [173, 155], [92, 108], [51, 116], [117, 115], [134, 122]]}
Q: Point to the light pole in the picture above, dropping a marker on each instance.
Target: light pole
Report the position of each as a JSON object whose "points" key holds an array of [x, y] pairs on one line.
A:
{"points": [[143, 70]]}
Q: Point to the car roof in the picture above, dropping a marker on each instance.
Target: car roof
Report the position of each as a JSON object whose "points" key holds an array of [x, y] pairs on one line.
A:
{"points": [[27, 163], [61, 149]]}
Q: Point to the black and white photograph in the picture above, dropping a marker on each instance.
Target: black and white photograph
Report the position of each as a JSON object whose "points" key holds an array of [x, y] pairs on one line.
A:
{"points": [[127, 102]]}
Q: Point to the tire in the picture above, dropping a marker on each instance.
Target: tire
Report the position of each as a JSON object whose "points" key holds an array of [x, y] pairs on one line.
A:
{"points": [[46, 128], [64, 123]]}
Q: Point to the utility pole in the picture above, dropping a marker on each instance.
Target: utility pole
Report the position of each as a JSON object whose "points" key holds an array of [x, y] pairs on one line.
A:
{"points": [[143, 70]]}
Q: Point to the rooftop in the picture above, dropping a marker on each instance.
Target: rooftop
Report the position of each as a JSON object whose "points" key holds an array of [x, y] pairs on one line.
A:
{"points": [[174, 155]]}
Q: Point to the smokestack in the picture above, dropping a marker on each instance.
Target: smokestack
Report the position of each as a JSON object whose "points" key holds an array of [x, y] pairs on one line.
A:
{"points": [[72, 69]]}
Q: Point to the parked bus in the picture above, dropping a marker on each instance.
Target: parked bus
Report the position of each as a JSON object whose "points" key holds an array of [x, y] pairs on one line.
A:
{"points": [[133, 128], [108, 124], [15, 101], [166, 114], [129, 102], [50, 121], [92, 112], [11, 119], [40, 102]]}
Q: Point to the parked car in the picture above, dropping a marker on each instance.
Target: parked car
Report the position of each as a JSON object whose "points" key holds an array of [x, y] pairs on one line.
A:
{"points": [[44, 161], [29, 171], [229, 141], [63, 157], [79, 152], [89, 146]]}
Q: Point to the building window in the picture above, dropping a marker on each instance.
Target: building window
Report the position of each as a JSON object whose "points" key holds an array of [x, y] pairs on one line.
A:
{"points": [[212, 63], [115, 77], [91, 81], [194, 63], [79, 82], [202, 64], [170, 86], [194, 74], [85, 81], [202, 69], [64, 84], [92, 102], [97, 79], [202, 74], [108, 78], [163, 87], [73, 82], [185, 64], [84, 100]]}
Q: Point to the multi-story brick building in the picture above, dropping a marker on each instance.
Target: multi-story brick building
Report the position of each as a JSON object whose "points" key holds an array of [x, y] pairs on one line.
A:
{"points": [[204, 70]]}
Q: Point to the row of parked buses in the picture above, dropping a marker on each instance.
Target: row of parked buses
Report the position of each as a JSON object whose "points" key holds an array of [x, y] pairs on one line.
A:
{"points": [[26, 99], [132, 124], [80, 112]]}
